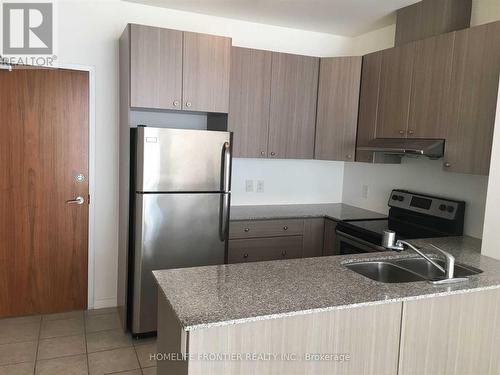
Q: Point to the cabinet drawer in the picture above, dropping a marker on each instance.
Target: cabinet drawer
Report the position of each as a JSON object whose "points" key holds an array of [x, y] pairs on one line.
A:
{"points": [[265, 228], [260, 249]]}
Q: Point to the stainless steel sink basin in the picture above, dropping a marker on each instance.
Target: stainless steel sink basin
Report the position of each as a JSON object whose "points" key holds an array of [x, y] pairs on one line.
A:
{"points": [[407, 270], [427, 270], [384, 272]]}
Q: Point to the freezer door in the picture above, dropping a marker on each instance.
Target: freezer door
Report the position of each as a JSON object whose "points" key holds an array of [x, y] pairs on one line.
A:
{"points": [[174, 231], [178, 160]]}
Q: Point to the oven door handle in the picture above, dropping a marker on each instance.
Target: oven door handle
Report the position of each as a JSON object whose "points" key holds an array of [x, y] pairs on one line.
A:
{"points": [[363, 242]]}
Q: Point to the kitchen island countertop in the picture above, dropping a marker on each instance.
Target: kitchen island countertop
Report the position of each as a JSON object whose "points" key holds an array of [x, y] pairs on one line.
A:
{"points": [[208, 296]]}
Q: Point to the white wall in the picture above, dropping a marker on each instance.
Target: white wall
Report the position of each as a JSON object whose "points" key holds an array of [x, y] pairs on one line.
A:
{"points": [[491, 234], [287, 181], [421, 175], [88, 33]]}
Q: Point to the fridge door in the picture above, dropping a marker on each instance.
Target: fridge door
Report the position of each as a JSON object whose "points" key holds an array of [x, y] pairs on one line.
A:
{"points": [[174, 231], [178, 160]]}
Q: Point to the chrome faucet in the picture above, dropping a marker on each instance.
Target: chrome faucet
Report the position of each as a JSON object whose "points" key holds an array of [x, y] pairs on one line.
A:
{"points": [[389, 242]]}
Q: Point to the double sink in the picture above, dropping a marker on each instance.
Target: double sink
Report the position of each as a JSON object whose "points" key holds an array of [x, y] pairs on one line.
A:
{"points": [[407, 270]]}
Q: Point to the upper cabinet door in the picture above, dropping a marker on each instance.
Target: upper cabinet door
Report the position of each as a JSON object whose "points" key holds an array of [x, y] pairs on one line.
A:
{"points": [[394, 95], [368, 103], [474, 91], [250, 93], [337, 116], [294, 87], [206, 73], [155, 67], [430, 96]]}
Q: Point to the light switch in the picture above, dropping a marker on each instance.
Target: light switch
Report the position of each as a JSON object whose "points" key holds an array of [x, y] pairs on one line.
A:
{"points": [[249, 186]]}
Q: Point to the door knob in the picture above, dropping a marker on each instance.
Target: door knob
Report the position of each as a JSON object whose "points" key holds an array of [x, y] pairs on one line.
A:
{"points": [[77, 200]]}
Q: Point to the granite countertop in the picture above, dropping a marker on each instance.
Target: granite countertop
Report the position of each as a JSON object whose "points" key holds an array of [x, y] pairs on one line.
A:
{"points": [[335, 211], [236, 293]]}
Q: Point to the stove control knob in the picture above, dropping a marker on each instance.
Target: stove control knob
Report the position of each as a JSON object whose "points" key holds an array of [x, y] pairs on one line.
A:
{"points": [[394, 197], [401, 198], [450, 209], [442, 207]]}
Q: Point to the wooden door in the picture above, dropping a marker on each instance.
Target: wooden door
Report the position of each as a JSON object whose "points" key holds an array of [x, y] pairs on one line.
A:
{"points": [[473, 99], [155, 67], [394, 94], [294, 86], [337, 115], [250, 93], [368, 103], [206, 73], [429, 109], [43, 148]]}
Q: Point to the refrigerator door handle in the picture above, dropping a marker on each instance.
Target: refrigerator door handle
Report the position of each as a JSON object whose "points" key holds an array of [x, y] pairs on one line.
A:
{"points": [[226, 167], [224, 218]]}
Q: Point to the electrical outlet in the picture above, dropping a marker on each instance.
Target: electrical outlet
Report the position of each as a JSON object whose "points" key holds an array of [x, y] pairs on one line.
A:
{"points": [[249, 186], [260, 186], [364, 191]]}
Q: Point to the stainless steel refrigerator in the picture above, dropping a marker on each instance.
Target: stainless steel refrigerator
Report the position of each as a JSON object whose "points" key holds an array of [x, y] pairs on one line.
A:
{"points": [[182, 182]]}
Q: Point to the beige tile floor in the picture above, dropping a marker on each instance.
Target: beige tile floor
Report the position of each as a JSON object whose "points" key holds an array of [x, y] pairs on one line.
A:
{"points": [[80, 342]]}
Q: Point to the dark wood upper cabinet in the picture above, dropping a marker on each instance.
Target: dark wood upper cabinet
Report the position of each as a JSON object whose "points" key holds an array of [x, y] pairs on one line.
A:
{"points": [[337, 112], [294, 86], [206, 73], [249, 100], [473, 99], [441, 87], [431, 17], [368, 103], [394, 91], [177, 70], [155, 67], [430, 90]]}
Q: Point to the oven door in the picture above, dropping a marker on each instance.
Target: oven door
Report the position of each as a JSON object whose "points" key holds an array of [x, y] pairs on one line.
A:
{"points": [[347, 244]]}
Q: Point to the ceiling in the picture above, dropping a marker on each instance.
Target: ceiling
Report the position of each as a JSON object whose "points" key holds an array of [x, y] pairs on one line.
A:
{"points": [[340, 17]]}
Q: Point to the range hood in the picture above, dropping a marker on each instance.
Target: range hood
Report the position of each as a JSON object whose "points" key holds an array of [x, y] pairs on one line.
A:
{"points": [[432, 148]]}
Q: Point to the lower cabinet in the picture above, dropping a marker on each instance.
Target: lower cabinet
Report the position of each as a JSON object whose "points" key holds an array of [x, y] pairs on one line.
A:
{"points": [[262, 240], [329, 237], [261, 249], [457, 334]]}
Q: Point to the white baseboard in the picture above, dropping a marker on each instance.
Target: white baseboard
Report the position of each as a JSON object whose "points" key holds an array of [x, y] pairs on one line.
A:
{"points": [[104, 302]]}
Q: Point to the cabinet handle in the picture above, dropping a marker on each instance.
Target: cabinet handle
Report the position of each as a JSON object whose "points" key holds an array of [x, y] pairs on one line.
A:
{"points": [[285, 228], [176, 103], [247, 229], [348, 156], [262, 153], [447, 165], [283, 253], [245, 255], [410, 132], [188, 104], [272, 153], [401, 132]]}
